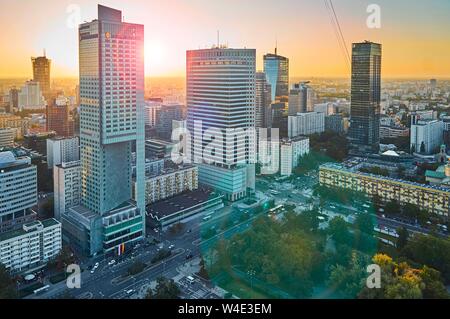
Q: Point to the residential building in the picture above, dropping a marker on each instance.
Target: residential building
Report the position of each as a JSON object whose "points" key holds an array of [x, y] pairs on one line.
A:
{"points": [[30, 97], [291, 150], [426, 135], [32, 246], [14, 121], [18, 190], [66, 187], [306, 124], [7, 136]]}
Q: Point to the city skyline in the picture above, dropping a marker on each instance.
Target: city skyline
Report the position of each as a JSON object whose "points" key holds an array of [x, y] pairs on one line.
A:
{"points": [[306, 35]]}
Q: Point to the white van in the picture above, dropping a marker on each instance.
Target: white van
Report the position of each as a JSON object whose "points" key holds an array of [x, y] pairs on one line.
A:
{"points": [[190, 279]]}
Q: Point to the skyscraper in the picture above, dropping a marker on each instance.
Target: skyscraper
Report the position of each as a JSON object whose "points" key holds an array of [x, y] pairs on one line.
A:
{"points": [[263, 100], [221, 102], [111, 119], [365, 96], [276, 68], [41, 74], [300, 98]]}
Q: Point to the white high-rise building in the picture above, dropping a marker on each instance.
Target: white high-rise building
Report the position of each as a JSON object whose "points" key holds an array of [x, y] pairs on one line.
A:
{"points": [[61, 150], [426, 135], [150, 110], [30, 96], [306, 124], [221, 115], [290, 152], [66, 186], [111, 120]]}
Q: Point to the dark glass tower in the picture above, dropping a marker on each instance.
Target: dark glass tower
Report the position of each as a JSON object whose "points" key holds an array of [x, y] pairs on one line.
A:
{"points": [[365, 96], [276, 68]]}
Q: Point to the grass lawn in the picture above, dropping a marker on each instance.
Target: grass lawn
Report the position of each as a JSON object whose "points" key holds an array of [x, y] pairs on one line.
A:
{"points": [[243, 291]]}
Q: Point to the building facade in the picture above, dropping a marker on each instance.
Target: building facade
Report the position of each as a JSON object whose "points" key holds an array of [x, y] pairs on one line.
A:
{"points": [[61, 150], [433, 199], [30, 96], [291, 150], [276, 68], [18, 190], [7, 136], [426, 136], [66, 187], [41, 74]]}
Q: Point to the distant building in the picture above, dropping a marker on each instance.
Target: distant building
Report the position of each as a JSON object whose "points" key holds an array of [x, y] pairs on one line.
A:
{"points": [[38, 141], [58, 117], [13, 100], [426, 135], [41, 74], [393, 131], [290, 152], [32, 246], [306, 124], [276, 68], [61, 150], [14, 121], [326, 108], [301, 98], [66, 187], [158, 148], [164, 117], [30, 97], [263, 117], [18, 190]]}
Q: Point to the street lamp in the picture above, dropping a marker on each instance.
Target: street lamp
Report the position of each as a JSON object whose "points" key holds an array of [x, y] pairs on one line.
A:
{"points": [[251, 273]]}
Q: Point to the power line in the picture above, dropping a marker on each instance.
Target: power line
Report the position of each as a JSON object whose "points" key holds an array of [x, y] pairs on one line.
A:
{"points": [[340, 30]]}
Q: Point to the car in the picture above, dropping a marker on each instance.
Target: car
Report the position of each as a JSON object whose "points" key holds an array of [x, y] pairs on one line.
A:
{"points": [[130, 291], [189, 230], [112, 262], [171, 246], [92, 270], [96, 265]]}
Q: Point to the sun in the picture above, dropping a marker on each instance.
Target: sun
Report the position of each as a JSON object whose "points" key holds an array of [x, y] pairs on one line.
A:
{"points": [[154, 56]]}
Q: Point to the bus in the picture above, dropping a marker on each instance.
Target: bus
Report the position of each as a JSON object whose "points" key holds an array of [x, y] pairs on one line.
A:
{"points": [[275, 209], [42, 289]]}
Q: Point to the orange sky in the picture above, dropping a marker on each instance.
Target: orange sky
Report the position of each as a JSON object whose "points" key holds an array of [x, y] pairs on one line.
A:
{"points": [[415, 34]]}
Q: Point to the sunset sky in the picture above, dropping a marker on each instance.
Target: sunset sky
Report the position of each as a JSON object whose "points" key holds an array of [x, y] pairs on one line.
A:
{"points": [[415, 34]]}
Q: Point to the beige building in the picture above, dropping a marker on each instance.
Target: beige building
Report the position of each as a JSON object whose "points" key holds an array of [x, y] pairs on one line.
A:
{"points": [[14, 121], [434, 199], [170, 182]]}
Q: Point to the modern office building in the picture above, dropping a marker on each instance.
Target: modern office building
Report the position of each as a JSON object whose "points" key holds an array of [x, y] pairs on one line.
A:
{"points": [[291, 150], [158, 148], [38, 141], [18, 190], [434, 199], [30, 97], [7, 136], [41, 74], [365, 96], [426, 136], [276, 68], [301, 98], [221, 115], [393, 131], [327, 108], [170, 182], [111, 120], [306, 124], [66, 187], [13, 100], [61, 150], [262, 101], [31, 247]]}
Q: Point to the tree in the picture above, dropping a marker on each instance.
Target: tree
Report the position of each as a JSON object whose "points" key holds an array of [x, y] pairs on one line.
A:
{"points": [[392, 208], [7, 286], [422, 147], [338, 230], [165, 289], [364, 222], [402, 239], [136, 268]]}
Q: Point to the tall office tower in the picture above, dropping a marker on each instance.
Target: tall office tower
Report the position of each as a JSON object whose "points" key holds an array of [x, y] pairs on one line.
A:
{"points": [[58, 118], [301, 98], [18, 189], [41, 74], [276, 68], [263, 100], [111, 120], [221, 102], [365, 96]]}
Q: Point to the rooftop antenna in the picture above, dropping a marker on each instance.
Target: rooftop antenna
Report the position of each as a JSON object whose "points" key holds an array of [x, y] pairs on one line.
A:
{"points": [[44, 53], [276, 46]]}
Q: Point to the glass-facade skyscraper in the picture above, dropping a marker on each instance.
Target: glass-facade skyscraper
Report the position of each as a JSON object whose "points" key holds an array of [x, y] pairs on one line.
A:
{"points": [[365, 96], [276, 68], [41, 74]]}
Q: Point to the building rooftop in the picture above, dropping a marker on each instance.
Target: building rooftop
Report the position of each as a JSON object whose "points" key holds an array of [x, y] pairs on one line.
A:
{"points": [[32, 226], [186, 200]]}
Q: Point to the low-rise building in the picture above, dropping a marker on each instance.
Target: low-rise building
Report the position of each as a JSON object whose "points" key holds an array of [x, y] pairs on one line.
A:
{"points": [[434, 199], [7, 136], [290, 152], [306, 124], [32, 246]]}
